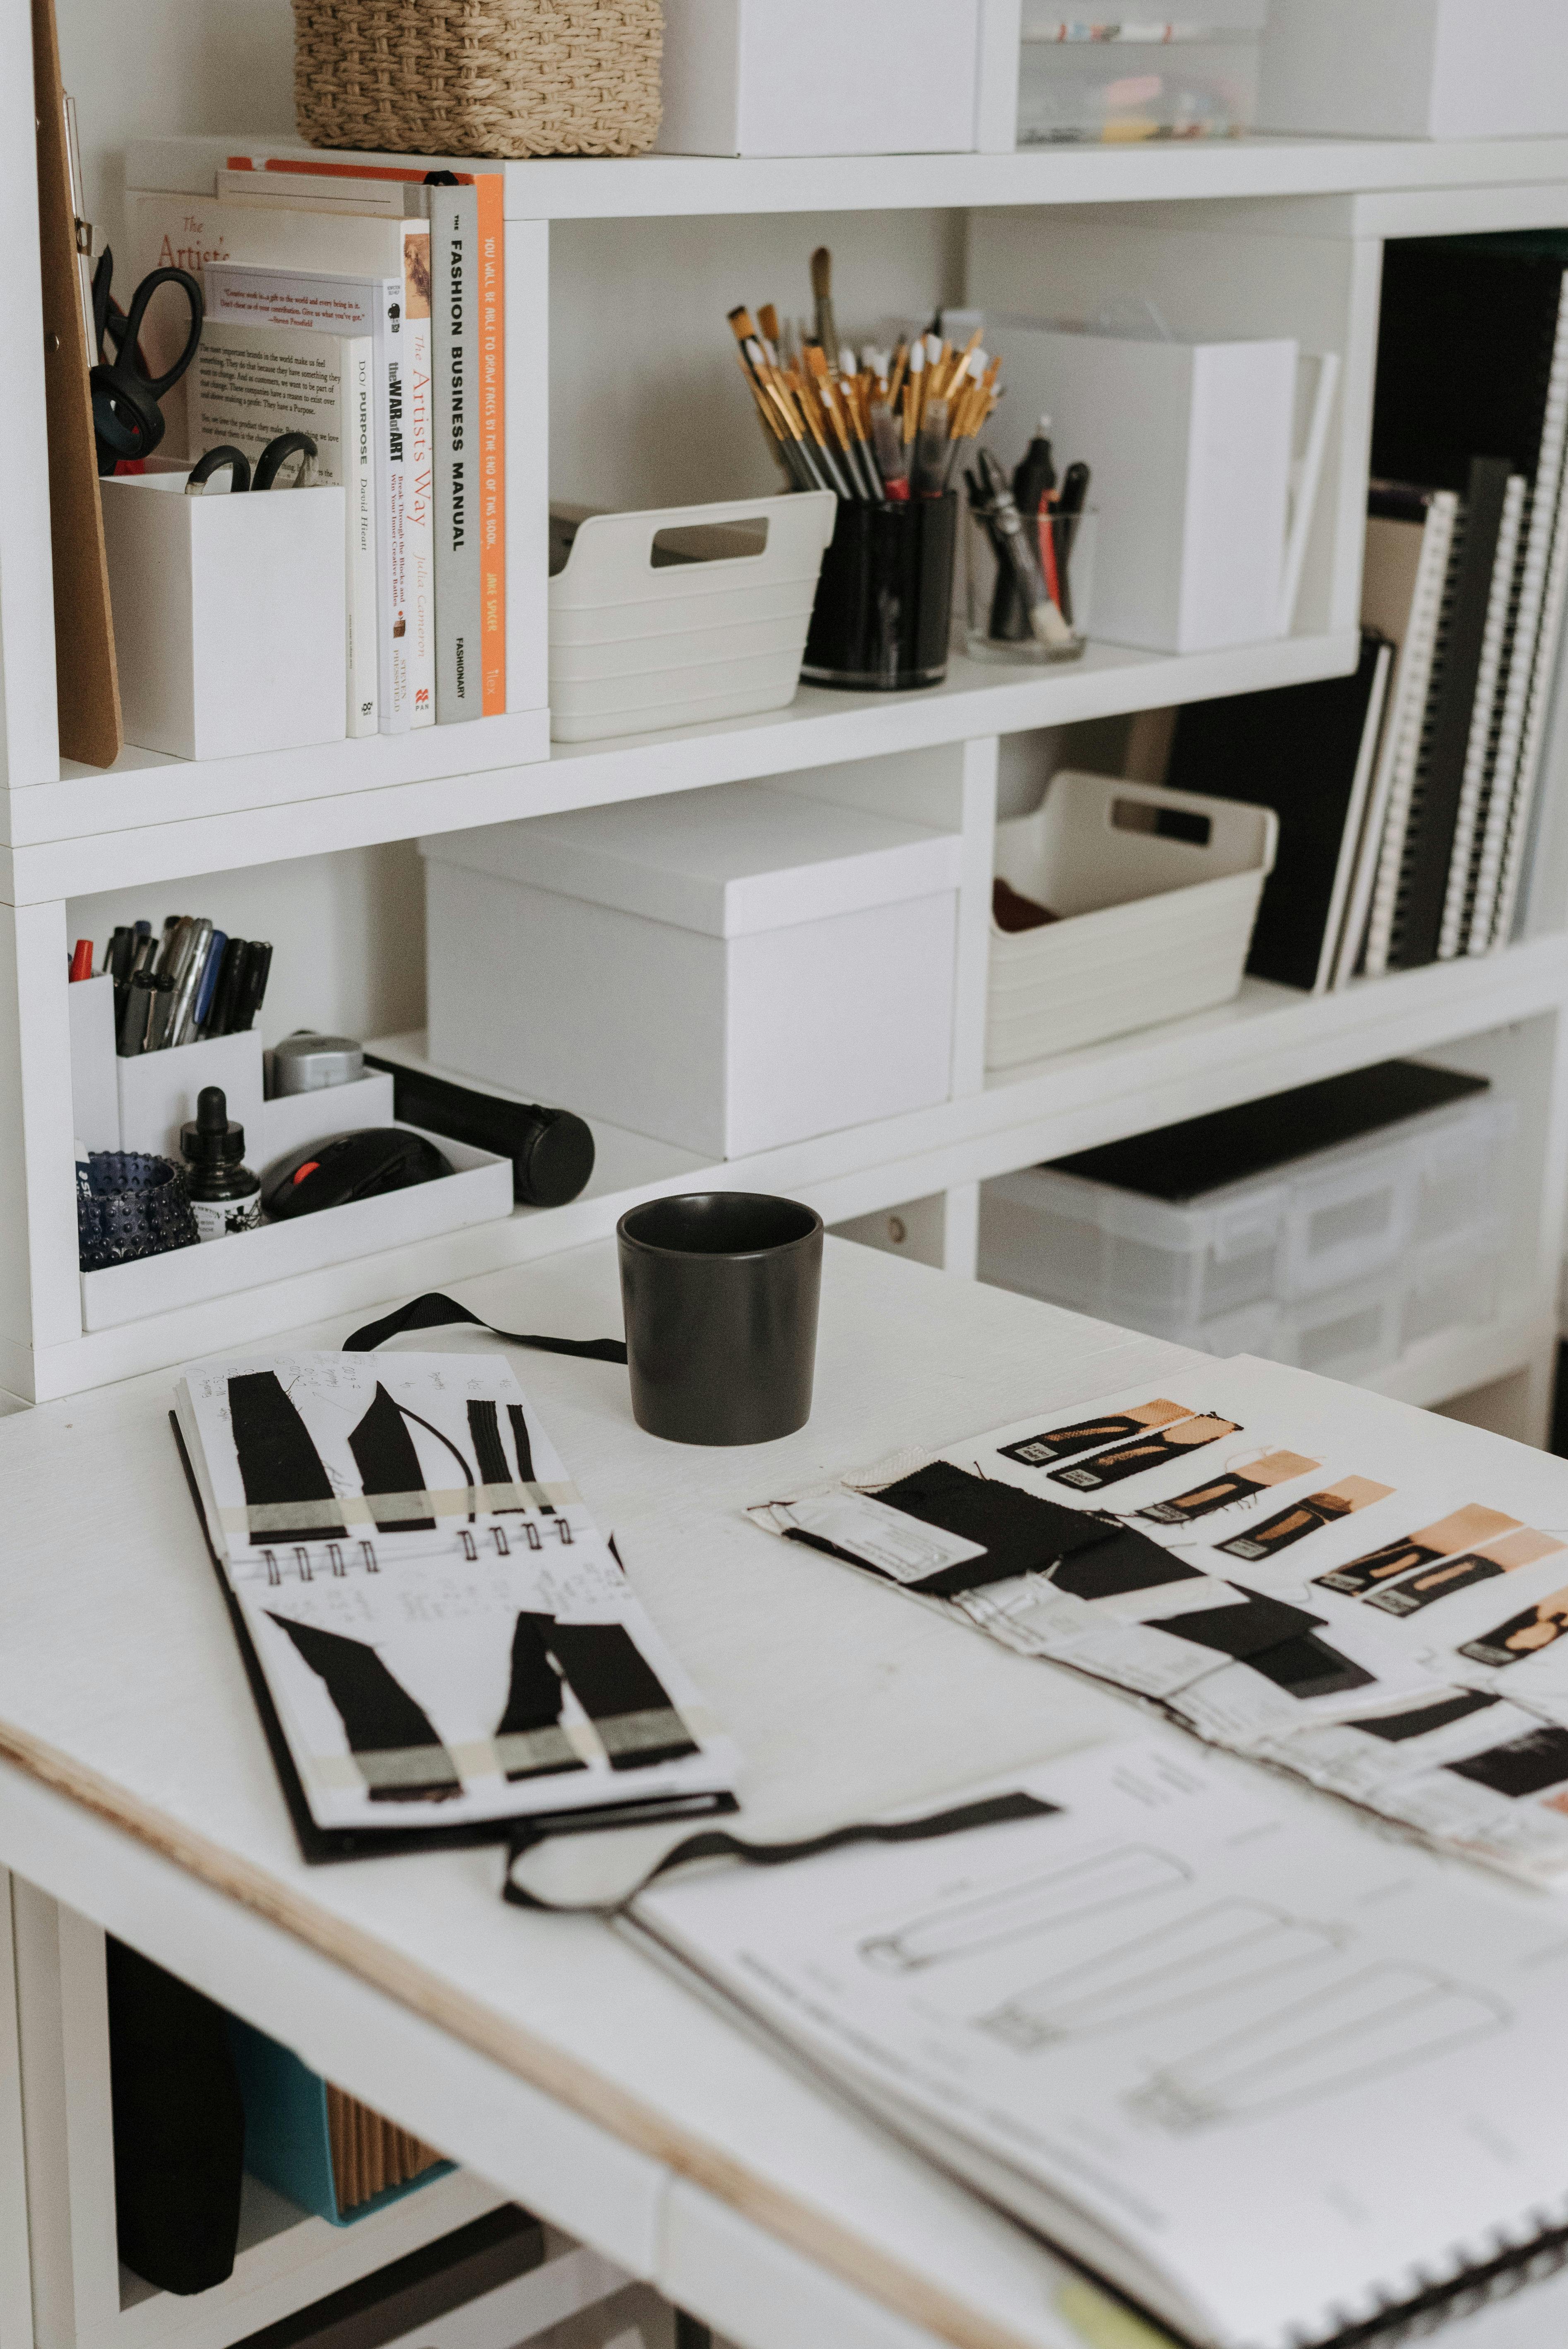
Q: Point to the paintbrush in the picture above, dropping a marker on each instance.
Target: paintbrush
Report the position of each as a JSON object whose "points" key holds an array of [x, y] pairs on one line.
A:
{"points": [[822, 288]]}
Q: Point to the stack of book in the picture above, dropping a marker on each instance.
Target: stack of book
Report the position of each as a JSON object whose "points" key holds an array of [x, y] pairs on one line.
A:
{"points": [[1407, 793], [364, 306]]}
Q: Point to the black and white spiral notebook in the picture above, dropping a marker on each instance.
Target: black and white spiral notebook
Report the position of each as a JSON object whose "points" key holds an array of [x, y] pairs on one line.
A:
{"points": [[439, 1640]]}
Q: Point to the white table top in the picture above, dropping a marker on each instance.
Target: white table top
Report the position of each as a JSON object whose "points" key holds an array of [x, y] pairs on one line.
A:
{"points": [[136, 1786]]}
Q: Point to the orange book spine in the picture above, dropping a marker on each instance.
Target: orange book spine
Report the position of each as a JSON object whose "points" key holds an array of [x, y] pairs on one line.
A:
{"points": [[492, 442]]}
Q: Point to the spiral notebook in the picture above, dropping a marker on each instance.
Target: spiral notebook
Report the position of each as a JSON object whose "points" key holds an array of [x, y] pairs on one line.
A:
{"points": [[439, 1638], [1281, 2081]]}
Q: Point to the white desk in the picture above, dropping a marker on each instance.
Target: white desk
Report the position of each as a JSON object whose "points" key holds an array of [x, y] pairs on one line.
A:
{"points": [[542, 2052]]}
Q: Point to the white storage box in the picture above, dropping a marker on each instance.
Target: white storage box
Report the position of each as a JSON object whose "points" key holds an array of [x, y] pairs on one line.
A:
{"points": [[230, 619], [727, 970], [479, 1191], [95, 1089], [1190, 447], [1415, 68], [1158, 890], [684, 613], [1189, 78], [1383, 1232], [879, 78]]}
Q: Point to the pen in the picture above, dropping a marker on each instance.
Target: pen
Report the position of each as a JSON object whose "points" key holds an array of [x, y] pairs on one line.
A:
{"points": [[208, 986], [131, 1037], [253, 984], [223, 1013], [187, 981], [1070, 506], [82, 958], [161, 1016]]}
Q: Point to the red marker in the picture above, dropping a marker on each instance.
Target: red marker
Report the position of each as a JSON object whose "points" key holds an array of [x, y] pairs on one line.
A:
{"points": [[82, 958]]}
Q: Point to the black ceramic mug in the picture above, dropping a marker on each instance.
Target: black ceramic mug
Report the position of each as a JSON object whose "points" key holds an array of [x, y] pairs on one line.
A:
{"points": [[720, 1291]]}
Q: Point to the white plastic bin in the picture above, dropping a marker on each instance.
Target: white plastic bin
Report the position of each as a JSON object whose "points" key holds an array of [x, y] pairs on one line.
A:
{"points": [[684, 613], [879, 78], [1158, 891], [230, 616], [726, 969], [1419, 69]]}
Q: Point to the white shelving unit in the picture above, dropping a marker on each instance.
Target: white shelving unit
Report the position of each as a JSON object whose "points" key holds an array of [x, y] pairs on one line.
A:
{"points": [[621, 272]]}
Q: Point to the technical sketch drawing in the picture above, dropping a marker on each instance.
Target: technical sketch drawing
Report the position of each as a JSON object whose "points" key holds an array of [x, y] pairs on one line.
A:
{"points": [[1358, 2029], [1210, 1954], [1042, 1905]]}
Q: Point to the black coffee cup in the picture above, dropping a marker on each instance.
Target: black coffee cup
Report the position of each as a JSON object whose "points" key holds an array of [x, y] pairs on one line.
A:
{"points": [[720, 1291]]}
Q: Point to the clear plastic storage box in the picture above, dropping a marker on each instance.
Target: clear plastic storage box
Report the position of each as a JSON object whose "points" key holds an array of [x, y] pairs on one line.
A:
{"points": [[1192, 77], [1337, 1262]]}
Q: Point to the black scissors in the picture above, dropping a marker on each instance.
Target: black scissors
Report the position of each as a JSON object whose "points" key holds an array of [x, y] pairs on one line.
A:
{"points": [[274, 457], [127, 418]]}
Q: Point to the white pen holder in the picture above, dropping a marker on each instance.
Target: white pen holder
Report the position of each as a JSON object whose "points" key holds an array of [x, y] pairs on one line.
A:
{"points": [[158, 1092], [229, 614]]}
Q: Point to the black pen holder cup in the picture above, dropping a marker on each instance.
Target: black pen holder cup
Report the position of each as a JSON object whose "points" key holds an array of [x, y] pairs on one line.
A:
{"points": [[720, 1290], [885, 597]]}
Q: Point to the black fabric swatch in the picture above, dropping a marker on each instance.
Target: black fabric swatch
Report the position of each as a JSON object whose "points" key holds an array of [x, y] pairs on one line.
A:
{"points": [[1394, 1728], [1022, 1533], [178, 2127], [533, 1701], [278, 1460], [1150, 1452], [622, 1695], [1202, 1500], [385, 1457], [377, 1713], [1307, 1667], [489, 1452], [1123, 1560], [1526, 1766], [1244, 1630], [1084, 1435], [1361, 1574], [524, 1450], [1433, 1583], [1285, 1527]]}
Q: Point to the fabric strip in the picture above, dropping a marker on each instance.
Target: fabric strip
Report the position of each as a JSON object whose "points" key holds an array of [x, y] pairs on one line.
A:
{"points": [[386, 1731], [279, 1464], [388, 1465], [434, 1311]]}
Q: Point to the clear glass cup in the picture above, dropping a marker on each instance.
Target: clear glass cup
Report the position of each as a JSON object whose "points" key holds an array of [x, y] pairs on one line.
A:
{"points": [[999, 627]]}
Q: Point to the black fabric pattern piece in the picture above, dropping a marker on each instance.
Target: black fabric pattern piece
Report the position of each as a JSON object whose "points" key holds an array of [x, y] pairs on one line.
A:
{"points": [[385, 1457], [1123, 1560], [1433, 1583], [434, 1311], [524, 1449], [718, 1842], [484, 1434], [1361, 1574], [1243, 1630], [533, 1701], [1527, 1766], [1023, 1533], [1307, 1667], [1084, 1435], [378, 1715], [622, 1695], [178, 2127], [1396, 1727], [278, 1460]]}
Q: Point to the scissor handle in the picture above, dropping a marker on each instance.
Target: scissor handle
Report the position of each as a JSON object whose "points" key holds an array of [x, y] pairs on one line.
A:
{"points": [[214, 461], [130, 334], [276, 454]]}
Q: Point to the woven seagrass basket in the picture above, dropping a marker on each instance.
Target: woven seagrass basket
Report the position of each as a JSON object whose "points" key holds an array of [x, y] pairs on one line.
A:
{"points": [[480, 77]]}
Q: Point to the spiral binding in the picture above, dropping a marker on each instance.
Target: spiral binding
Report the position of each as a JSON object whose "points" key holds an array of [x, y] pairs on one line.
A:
{"points": [[336, 1565], [1435, 2304]]}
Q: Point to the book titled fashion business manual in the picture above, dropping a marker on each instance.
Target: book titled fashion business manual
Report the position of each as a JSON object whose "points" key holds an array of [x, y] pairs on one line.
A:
{"points": [[443, 1637], [1280, 2079]]}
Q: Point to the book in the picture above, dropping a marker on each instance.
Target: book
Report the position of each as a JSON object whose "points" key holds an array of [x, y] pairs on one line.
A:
{"points": [[1281, 2081], [454, 273], [248, 384], [309, 183], [439, 1636], [1308, 1575], [1500, 635], [1307, 751], [1405, 799], [414, 430], [1452, 714]]}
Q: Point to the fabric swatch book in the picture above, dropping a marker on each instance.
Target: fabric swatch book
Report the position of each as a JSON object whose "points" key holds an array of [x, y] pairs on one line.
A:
{"points": [[440, 1638], [1283, 2081], [1369, 1598]]}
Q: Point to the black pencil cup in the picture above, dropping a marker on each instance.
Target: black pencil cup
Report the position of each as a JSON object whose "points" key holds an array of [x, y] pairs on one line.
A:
{"points": [[885, 598]]}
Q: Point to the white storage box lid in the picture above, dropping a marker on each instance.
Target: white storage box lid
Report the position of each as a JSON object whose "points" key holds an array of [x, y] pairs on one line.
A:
{"points": [[739, 858]]}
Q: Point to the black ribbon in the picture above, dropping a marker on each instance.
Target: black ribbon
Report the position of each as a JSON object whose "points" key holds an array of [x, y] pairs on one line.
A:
{"points": [[718, 1842], [434, 1312]]}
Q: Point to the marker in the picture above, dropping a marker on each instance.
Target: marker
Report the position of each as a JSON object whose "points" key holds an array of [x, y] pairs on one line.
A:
{"points": [[82, 958]]}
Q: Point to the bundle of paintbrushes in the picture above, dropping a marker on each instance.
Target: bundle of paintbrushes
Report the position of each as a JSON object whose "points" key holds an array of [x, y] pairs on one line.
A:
{"points": [[876, 429]]}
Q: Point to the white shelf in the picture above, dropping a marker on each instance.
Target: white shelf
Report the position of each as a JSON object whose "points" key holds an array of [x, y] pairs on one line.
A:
{"points": [[1456, 1361], [666, 186], [1268, 1038], [171, 817]]}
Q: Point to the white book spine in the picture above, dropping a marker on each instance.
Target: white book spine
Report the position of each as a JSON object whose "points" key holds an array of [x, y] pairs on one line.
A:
{"points": [[1538, 555], [1417, 659], [420, 479], [392, 636], [359, 484], [1480, 749]]}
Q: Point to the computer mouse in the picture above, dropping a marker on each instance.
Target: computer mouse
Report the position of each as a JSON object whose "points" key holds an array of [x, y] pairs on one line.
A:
{"points": [[348, 1166]]}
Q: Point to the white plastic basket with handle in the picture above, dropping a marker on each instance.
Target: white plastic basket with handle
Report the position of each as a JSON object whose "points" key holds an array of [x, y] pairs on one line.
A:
{"points": [[710, 624]]}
